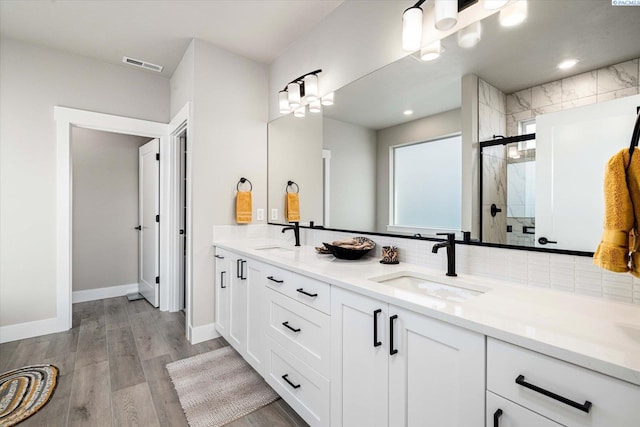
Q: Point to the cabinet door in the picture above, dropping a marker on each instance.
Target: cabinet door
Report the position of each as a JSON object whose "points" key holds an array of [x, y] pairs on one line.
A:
{"points": [[504, 413], [359, 377], [257, 305], [222, 293], [238, 306], [436, 378]]}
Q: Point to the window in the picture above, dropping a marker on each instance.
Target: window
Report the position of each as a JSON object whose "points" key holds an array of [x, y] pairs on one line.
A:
{"points": [[427, 184], [526, 127]]}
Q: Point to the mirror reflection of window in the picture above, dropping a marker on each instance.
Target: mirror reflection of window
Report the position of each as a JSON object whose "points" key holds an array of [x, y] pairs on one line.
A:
{"points": [[427, 185]]}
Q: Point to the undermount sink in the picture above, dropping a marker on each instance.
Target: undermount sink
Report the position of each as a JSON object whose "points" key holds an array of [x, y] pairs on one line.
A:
{"points": [[274, 249], [415, 282]]}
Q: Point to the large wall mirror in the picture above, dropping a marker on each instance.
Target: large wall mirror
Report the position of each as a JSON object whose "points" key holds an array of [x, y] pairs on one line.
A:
{"points": [[399, 151]]}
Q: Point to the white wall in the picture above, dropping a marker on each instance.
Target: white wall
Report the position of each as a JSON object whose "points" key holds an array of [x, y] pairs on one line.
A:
{"points": [[228, 141], [105, 208], [424, 129], [32, 81], [353, 175]]}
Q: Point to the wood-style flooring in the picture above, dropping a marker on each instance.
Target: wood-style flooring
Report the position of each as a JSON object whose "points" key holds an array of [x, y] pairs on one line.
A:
{"points": [[112, 369]]}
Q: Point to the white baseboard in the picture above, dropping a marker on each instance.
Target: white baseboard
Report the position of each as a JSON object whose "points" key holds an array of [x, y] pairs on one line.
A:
{"points": [[36, 328], [202, 333], [102, 293]]}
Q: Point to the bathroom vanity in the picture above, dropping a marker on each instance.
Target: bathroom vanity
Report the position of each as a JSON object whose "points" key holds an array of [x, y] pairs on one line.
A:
{"points": [[352, 343]]}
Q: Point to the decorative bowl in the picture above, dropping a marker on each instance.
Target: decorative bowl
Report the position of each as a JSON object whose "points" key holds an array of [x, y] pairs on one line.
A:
{"points": [[348, 253]]}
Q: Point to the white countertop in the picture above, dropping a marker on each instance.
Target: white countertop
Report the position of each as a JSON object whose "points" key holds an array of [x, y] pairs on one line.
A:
{"points": [[597, 334]]}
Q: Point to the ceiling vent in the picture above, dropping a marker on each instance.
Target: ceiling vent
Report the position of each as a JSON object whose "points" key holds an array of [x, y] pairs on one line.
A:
{"points": [[142, 64]]}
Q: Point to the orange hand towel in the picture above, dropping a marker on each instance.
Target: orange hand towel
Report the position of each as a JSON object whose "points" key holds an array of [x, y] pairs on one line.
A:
{"points": [[243, 207], [622, 211], [293, 207]]}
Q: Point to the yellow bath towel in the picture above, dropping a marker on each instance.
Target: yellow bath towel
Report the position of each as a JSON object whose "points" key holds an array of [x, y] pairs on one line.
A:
{"points": [[243, 207], [619, 244], [293, 207]]}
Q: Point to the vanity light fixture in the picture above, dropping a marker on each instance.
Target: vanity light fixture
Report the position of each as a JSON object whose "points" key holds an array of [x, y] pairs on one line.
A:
{"points": [[567, 63], [412, 27], [493, 4], [298, 93], [431, 51], [515, 13], [470, 35], [446, 12], [315, 106], [327, 99]]}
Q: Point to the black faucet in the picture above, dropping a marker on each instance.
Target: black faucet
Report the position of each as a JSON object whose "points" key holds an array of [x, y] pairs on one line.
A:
{"points": [[450, 244], [296, 231]]}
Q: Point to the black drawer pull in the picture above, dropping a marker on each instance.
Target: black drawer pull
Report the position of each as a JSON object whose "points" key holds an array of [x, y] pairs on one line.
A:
{"points": [[284, 377], [392, 350], [219, 256], [275, 280], [496, 418], [238, 261], [286, 325], [242, 276], [584, 407], [222, 273], [301, 290], [376, 343]]}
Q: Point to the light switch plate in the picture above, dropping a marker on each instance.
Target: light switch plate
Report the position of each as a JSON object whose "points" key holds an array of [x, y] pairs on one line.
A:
{"points": [[260, 214], [274, 214]]}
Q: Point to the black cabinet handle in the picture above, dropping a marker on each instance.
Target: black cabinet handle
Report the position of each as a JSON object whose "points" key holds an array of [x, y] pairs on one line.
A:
{"points": [[242, 276], [217, 256], [544, 241], [584, 407], [392, 350], [496, 418], [284, 377], [238, 261], [286, 325], [301, 290], [495, 209], [138, 227], [275, 280], [222, 273], [376, 343]]}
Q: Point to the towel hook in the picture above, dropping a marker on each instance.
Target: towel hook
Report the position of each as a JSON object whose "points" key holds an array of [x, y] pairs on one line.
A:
{"points": [[290, 184], [636, 136], [242, 181]]}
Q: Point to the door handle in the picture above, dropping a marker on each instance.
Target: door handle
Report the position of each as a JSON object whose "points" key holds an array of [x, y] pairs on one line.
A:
{"points": [[242, 276], [219, 256], [286, 325], [392, 350], [376, 343], [238, 261], [302, 291], [275, 280], [138, 228], [496, 418], [584, 407], [544, 241], [222, 279], [284, 377], [495, 210]]}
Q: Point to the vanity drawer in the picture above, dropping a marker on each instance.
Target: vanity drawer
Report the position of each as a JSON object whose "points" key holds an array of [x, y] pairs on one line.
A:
{"points": [[504, 413], [613, 402], [311, 292], [305, 390], [301, 330]]}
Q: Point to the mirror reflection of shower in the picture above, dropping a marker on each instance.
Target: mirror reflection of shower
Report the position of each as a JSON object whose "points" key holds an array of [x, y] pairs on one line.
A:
{"points": [[521, 196]]}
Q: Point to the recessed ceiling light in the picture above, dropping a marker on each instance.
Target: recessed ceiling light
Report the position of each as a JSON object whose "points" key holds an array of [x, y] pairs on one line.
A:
{"points": [[568, 63], [515, 13], [407, 112]]}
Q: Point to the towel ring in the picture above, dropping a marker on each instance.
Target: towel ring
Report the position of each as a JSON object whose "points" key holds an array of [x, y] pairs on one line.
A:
{"points": [[290, 184], [242, 181]]}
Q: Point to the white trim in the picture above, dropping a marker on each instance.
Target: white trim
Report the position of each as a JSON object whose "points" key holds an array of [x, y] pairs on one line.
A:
{"points": [[424, 231], [36, 328], [103, 293], [66, 118], [202, 333], [326, 160]]}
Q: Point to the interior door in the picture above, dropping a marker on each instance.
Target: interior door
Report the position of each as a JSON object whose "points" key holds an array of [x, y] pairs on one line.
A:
{"points": [[148, 211]]}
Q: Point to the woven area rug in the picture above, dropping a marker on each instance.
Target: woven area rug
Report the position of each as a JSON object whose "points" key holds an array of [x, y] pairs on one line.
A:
{"points": [[24, 391], [218, 387]]}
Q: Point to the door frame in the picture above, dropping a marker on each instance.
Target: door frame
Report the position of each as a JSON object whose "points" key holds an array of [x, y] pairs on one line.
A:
{"points": [[66, 118]]}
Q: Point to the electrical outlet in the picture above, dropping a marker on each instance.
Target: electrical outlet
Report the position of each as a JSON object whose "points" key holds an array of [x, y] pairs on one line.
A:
{"points": [[260, 214], [274, 214]]}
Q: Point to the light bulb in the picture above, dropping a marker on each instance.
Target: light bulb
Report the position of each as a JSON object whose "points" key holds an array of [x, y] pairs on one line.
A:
{"points": [[431, 51], [446, 12], [514, 14], [300, 111], [327, 99], [412, 29], [311, 87], [315, 106], [568, 63], [283, 98], [470, 36], [294, 95]]}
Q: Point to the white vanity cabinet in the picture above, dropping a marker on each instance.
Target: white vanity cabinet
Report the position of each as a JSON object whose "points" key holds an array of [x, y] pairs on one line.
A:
{"points": [[560, 391], [223, 271], [393, 367], [238, 304]]}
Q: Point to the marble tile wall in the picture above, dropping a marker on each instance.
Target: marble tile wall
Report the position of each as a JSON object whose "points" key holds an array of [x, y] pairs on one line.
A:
{"points": [[560, 272], [603, 84], [516, 236]]}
